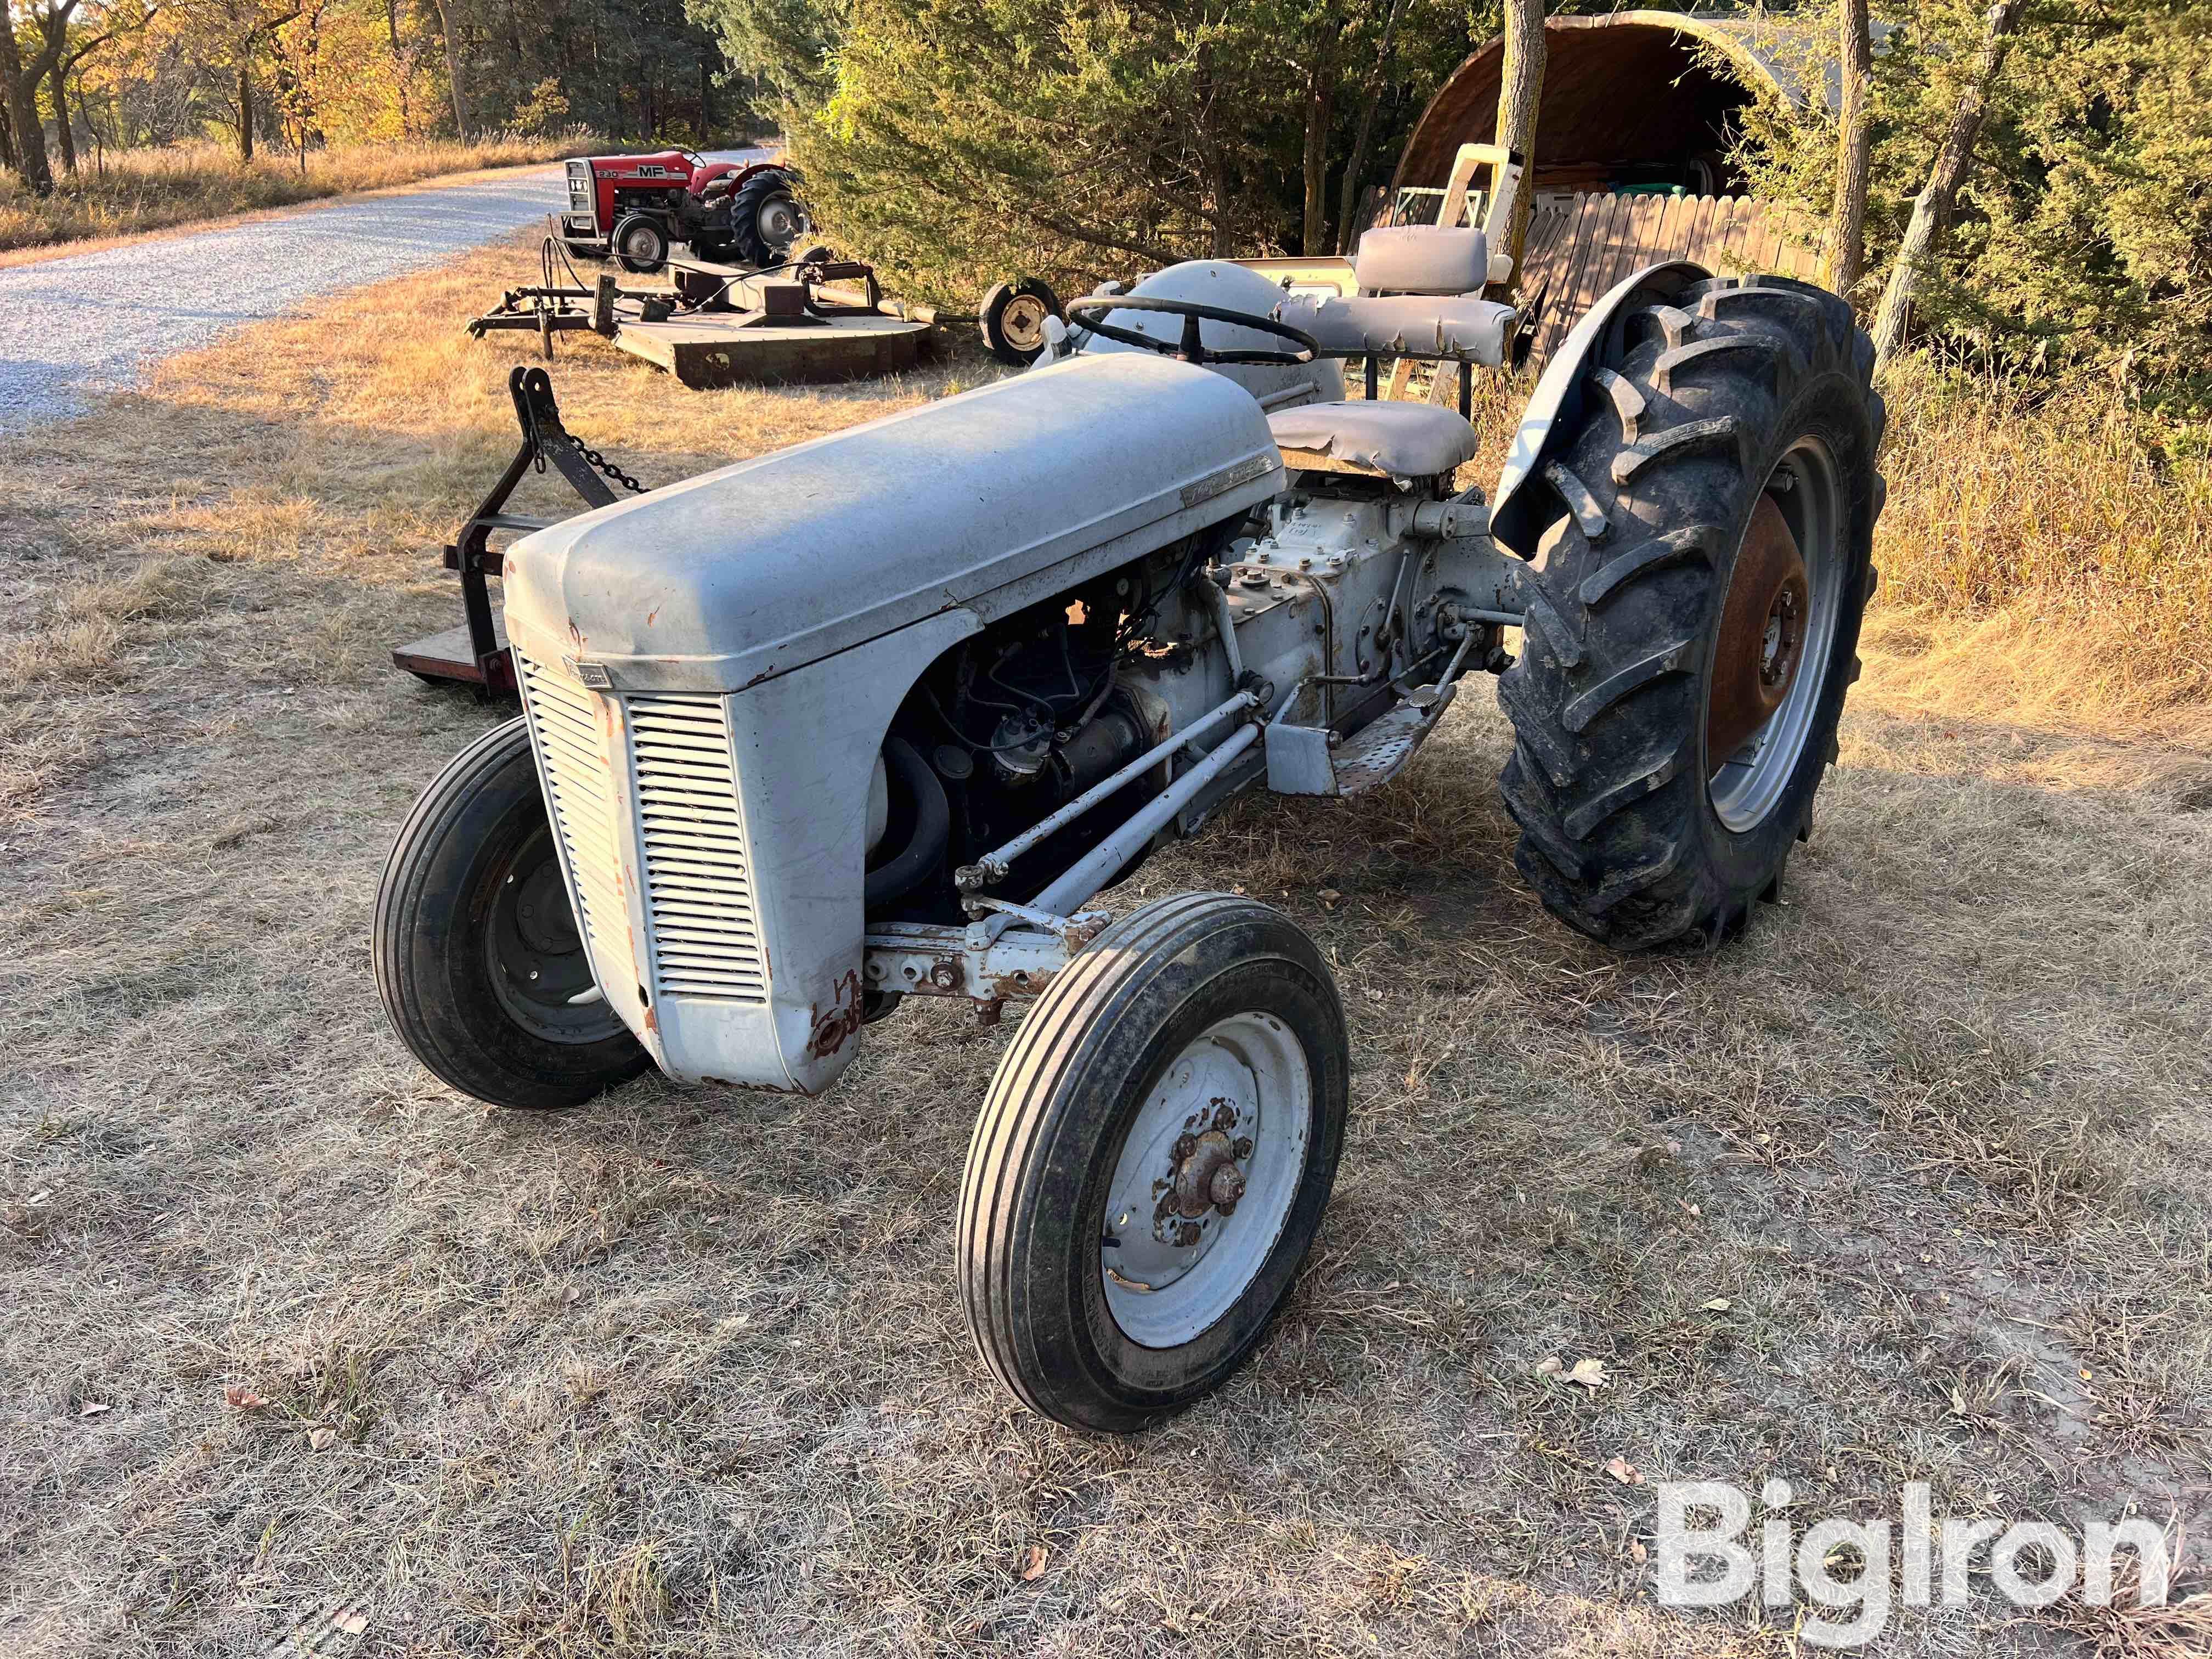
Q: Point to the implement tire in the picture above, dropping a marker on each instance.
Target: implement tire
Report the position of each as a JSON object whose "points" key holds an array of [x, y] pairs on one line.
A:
{"points": [[1745, 405]]}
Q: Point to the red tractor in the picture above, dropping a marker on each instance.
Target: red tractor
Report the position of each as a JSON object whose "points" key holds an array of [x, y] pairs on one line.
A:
{"points": [[633, 209]]}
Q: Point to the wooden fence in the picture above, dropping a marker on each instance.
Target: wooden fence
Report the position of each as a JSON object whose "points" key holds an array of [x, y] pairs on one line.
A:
{"points": [[1580, 245]]}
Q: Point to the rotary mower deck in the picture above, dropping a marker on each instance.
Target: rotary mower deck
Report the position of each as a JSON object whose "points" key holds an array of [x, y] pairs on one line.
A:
{"points": [[816, 319]]}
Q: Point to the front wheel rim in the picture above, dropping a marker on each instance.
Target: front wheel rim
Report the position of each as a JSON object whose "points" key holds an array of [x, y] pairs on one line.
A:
{"points": [[1205, 1179], [535, 956], [1746, 784]]}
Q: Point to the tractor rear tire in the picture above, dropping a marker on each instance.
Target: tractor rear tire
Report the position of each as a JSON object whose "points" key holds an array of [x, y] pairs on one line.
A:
{"points": [[475, 942], [1745, 391], [767, 219]]}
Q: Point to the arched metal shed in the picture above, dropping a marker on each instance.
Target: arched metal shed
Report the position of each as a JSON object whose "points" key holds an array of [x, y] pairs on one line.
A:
{"points": [[1632, 134]]}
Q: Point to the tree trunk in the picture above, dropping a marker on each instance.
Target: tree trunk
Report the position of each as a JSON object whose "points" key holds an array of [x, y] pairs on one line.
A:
{"points": [[399, 68], [1347, 198], [1854, 149], [1932, 209], [706, 102], [1522, 90], [1321, 107], [64, 139], [246, 107], [453, 71], [53, 25], [21, 88], [6, 135]]}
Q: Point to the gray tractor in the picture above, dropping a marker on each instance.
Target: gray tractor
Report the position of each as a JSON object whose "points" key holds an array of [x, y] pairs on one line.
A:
{"points": [[887, 714]]}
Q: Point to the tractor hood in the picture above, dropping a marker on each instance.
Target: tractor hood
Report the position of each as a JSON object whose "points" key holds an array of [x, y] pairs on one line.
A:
{"points": [[982, 502]]}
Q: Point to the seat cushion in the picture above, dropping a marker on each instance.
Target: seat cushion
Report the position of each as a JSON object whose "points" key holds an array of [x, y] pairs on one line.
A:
{"points": [[1422, 259], [1401, 440], [1463, 329]]}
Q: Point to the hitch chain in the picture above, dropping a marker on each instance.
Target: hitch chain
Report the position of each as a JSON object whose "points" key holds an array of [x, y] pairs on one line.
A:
{"points": [[539, 438], [613, 469]]}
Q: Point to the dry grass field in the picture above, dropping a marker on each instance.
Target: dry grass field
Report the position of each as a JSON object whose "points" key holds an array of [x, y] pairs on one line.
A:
{"points": [[1908, 1185], [142, 190]]}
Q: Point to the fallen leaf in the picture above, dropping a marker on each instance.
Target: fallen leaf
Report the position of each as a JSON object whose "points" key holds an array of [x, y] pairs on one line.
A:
{"points": [[1637, 1552], [1549, 1366], [1623, 1471], [237, 1395], [323, 1439], [38, 1198], [1033, 1560], [1718, 1305], [93, 1408], [1329, 896], [1590, 1373]]}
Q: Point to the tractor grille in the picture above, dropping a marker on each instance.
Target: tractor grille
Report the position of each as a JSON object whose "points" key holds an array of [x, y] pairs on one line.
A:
{"points": [[698, 883], [572, 744]]}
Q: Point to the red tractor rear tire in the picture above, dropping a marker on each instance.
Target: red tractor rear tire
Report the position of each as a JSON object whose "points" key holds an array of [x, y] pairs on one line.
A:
{"points": [[767, 219]]}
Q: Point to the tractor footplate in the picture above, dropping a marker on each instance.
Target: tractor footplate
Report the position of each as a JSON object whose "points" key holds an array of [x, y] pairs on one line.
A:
{"points": [[1309, 760]]}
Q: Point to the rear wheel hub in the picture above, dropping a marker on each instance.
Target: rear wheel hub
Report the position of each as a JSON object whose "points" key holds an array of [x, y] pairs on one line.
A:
{"points": [[1761, 641]]}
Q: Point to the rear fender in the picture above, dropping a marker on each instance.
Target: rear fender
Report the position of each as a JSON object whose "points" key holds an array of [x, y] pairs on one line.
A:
{"points": [[736, 172], [1525, 504]]}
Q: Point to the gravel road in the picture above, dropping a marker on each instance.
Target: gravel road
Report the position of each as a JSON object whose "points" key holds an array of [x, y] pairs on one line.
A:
{"points": [[78, 322]]}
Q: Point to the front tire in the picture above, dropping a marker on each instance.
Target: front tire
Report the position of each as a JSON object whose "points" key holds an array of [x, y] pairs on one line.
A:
{"points": [[1152, 1162], [639, 244], [1693, 614], [475, 949]]}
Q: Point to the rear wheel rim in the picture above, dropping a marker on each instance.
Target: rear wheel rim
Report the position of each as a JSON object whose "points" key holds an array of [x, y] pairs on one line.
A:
{"points": [[535, 956], [779, 221], [1205, 1180], [1747, 783]]}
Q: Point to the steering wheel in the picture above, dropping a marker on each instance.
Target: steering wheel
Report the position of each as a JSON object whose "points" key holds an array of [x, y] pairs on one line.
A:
{"points": [[1191, 349]]}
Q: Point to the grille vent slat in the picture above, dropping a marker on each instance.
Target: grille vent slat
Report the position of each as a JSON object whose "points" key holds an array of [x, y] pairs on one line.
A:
{"points": [[698, 880], [583, 810], [698, 885]]}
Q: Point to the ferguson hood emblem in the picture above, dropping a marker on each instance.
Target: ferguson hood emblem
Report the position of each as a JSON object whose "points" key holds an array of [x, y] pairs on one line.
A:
{"points": [[1213, 484]]}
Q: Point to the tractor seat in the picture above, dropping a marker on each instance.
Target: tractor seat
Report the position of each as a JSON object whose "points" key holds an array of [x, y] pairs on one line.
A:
{"points": [[1420, 297], [1396, 440]]}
